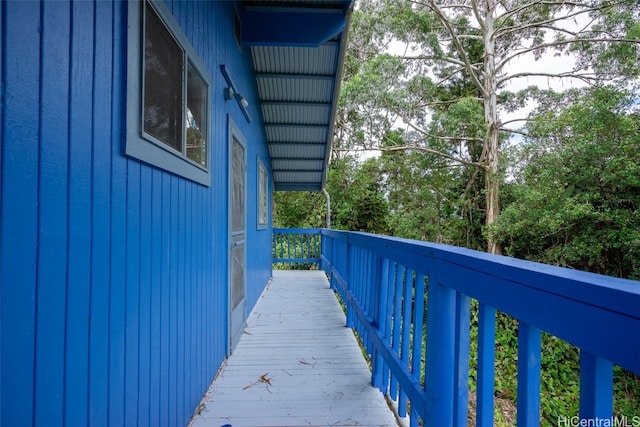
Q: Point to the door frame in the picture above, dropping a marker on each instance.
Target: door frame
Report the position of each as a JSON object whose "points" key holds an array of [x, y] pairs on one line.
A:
{"points": [[235, 133]]}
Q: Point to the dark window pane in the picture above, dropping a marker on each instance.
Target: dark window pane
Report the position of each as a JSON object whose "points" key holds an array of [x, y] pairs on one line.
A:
{"points": [[197, 113], [237, 220], [237, 275], [163, 66], [262, 195]]}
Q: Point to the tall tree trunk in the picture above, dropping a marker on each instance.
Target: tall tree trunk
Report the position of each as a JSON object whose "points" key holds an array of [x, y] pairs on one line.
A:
{"points": [[492, 177]]}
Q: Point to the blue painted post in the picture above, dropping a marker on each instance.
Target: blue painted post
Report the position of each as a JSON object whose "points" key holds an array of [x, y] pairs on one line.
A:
{"points": [[416, 353], [377, 373], [405, 345], [486, 365], [388, 302], [397, 314], [596, 387], [461, 387], [349, 284], [439, 375], [529, 343]]}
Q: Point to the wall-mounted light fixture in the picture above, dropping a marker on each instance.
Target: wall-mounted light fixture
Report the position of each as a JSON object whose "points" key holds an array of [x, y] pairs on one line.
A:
{"points": [[231, 92]]}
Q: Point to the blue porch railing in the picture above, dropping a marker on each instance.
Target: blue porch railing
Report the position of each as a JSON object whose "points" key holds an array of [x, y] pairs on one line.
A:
{"points": [[399, 291], [294, 248]]}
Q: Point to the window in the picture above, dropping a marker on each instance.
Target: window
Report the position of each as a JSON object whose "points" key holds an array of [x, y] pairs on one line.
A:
{"points": [[168, 94], [237, 28], [263, 205]]}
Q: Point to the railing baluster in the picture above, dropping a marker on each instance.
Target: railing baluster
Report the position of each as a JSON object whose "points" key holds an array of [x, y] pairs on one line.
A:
{"points": [[406, 333], [461, 367], [596, 387], [397, 314], [418, 332], [289, 246], [377, 360], [388, 302], [486, 365], [351, 276], [529, 343], [441, 307]]}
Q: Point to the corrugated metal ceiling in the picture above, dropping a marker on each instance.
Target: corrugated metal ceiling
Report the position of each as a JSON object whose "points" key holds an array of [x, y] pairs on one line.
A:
{"points": [[298, 58]]}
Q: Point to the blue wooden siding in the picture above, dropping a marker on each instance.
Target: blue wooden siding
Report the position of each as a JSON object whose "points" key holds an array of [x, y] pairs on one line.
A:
{"points": [[113, 273]]}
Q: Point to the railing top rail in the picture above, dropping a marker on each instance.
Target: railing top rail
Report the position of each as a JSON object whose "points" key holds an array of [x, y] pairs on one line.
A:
{"points": [[594, 288], [296, 230], [598, 313]]}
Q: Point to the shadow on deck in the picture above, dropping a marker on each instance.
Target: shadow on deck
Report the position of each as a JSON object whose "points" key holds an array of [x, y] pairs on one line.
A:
{"points": [[296, 365]]}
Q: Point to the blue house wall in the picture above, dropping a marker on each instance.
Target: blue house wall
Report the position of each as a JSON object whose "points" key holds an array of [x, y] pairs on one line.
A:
{"points": [[113, 273]]}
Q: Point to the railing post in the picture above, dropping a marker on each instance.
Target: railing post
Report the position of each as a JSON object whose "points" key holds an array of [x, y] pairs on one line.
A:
{"points": [[486, 365], [596, 387], [439, 375], [529, 344], [461, 387], [348, 278], [381, 319]]}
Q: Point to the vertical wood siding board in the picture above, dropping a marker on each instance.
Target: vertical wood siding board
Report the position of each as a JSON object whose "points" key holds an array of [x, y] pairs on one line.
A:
{"points": [[2, 138], [180, 344], [173, 309], [79, 219], [188, 369], [144, 353], [52, 215], [19, 208], [206, 302], [212, 362], [164, 301], [209, 302], [100, 217], [195, 301], [132, 290], [202, 381], [117, 297], [155, 292], [193, 347]]}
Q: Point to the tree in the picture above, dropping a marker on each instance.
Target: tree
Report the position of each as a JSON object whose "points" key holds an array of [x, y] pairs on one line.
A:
{"points": [[357, 200], [447, 91], [575, 202]]}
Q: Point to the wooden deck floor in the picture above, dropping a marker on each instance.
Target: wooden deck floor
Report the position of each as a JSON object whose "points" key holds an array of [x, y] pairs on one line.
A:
{"points": [[296, 365]]}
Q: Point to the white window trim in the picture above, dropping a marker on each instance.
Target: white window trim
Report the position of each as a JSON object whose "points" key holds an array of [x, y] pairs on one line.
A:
{"points": [[147, 149]]}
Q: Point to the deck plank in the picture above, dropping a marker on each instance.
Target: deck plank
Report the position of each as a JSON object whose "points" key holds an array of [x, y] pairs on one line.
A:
{"points": [[297, 339]]}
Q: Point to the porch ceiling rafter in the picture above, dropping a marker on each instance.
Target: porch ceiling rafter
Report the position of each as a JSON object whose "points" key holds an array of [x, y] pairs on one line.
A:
{"points": [[298, 50]]}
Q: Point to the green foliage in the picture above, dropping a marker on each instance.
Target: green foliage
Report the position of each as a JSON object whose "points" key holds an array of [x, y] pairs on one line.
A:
{"points": [[575, 201], [357, 200], [299, 210]]}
